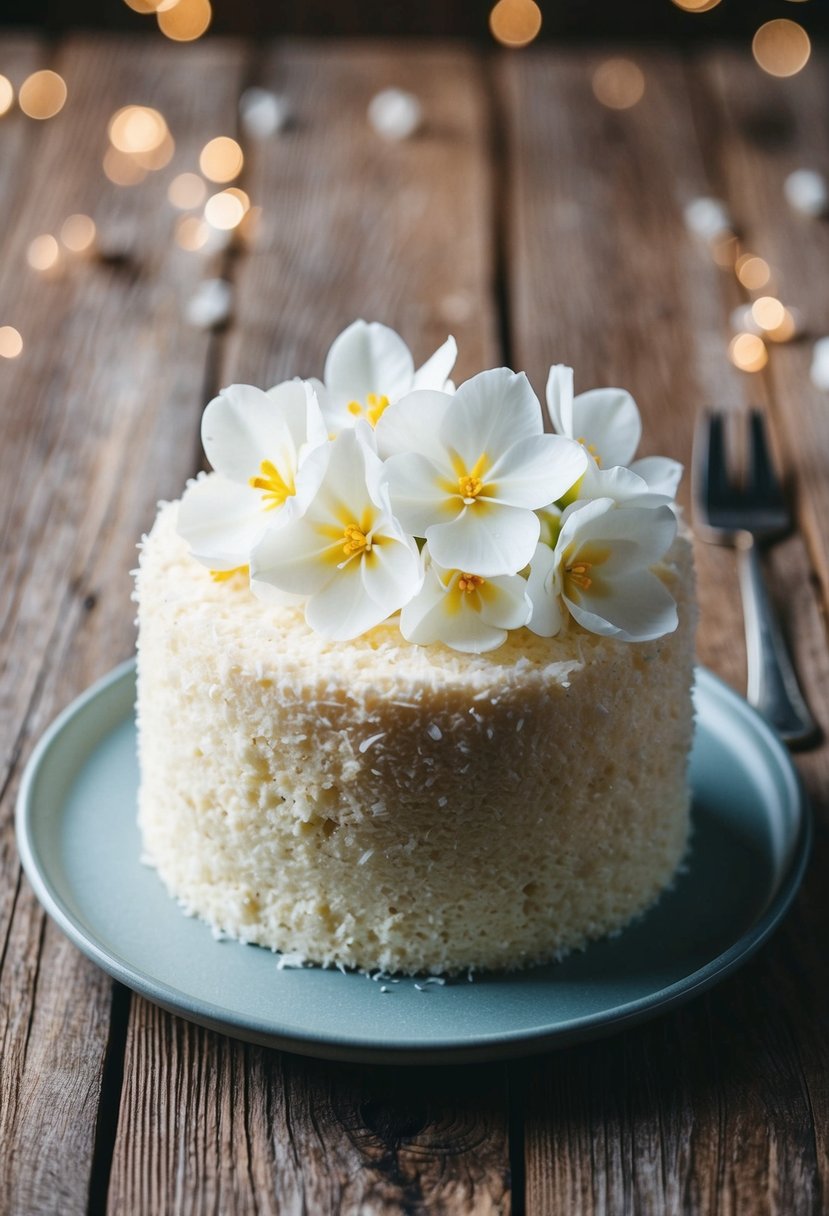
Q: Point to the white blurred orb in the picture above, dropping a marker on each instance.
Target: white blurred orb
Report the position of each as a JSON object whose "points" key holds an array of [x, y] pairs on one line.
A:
{"points": [[806, 190], [263, 113], [707, 218], [210, 305], [395, 114]]}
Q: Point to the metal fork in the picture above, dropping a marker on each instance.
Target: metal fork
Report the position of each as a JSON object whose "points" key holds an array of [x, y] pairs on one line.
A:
{"points": [[747, 517]]}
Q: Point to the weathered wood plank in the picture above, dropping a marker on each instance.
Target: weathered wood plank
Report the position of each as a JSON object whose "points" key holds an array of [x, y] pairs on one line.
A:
{"points": [[352, 226], [711, 1109], [98, 422], [763, 128]]}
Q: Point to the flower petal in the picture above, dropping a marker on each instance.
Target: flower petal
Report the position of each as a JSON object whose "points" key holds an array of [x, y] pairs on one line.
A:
{"points": [[486, 538], [505, 602], [341, 610], [438, 615], [537, 470], [222, 521], [393, 572], [298, 558], [661, 474], [297, 402], [637, 537], [489, 413], [607, 419], [413, 424], [635, 609], [560, 399], [438, 367], [241, 428], [418, 493], [369, 358], [543, 590]]}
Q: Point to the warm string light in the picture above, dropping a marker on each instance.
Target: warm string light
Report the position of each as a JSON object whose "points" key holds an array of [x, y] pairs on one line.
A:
{"points": [[753, 272], [748, 352], [140, 142], [515, 23], [618, 83], [77, 233], [11, 343], [187, 191], [192, 233], [6, 95], [781, 47], [221, 159], [186, 20], [225, 210], [43, 253], [42, 95]]}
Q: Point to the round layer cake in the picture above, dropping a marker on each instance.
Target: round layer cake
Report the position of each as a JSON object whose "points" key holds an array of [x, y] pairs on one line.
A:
{"points": [[379, 804]]}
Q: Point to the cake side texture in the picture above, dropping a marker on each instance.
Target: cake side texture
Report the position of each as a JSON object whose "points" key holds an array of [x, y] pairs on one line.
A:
{"points": [[384, 805]]}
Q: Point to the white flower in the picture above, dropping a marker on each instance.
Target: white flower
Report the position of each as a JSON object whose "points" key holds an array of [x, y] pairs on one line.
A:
{"points": [[469, 471], [465, 611], [257, 443], [600, 572], [346, 553], [368, 367], [606, 421]]}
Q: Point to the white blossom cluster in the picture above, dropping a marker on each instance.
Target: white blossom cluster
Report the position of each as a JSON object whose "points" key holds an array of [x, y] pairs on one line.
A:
{"points": [[383, 489]]}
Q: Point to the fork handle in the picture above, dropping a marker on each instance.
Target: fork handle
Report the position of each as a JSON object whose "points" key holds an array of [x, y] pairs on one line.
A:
{"points": [[773, 687]]}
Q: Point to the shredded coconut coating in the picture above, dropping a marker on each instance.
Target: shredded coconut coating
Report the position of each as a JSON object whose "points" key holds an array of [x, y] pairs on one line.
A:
{"points": [[392, 807]]}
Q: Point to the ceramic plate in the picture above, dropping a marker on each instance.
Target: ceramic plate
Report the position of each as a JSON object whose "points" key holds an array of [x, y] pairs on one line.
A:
{"points": [[80, 848]]}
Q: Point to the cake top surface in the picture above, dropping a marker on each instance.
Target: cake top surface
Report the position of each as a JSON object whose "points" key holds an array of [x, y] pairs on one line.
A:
{"points": [[383, 503], [269, 639]]}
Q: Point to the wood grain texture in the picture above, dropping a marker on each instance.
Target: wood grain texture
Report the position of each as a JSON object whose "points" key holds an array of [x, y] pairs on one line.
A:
{"points": [[711, 1109], [352, 226], [99, 420]]}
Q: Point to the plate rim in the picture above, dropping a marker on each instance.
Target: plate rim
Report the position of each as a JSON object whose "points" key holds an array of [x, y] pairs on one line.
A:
{"points": [[350, 1047]]}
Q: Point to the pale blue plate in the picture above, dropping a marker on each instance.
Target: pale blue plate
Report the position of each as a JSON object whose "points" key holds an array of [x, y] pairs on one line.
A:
{"points": [[80, 848]]}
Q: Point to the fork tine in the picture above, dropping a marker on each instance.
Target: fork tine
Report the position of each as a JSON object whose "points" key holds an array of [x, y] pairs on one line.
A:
{"points": [[761, 479], [713, 468]]}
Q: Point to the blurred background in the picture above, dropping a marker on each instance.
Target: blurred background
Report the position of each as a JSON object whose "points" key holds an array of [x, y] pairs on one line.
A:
{"points": [[674, 20]]}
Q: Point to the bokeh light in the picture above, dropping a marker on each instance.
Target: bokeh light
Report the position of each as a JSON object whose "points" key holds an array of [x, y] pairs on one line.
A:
{"points": [[781, 47], [156, 158], [43, 253], [752, 271], [186, 20], [11, 343], [768, 312], [515, 23], [192, 233], [618, 83], [787, 329], [186, 191], [696, 6], [6, 95], [224, 210], [42, 95], [748, 353], [137, 129], [122, 169], [78, 233], [221, 159]]}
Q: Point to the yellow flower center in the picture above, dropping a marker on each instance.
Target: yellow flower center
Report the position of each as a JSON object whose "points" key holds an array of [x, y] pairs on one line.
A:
{"points": [[591, 447], [375, 406], [221, 576], [470, 582], [355, 541], [469, 487], [579, 573], [273, 486]]}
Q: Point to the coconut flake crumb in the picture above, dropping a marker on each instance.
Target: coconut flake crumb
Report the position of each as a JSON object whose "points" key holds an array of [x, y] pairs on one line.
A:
{"points": [[434, 732], [372, 739], [291, 960]]}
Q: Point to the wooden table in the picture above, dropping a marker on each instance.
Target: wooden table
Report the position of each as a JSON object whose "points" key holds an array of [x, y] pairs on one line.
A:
{"points": [[537, 226]]}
